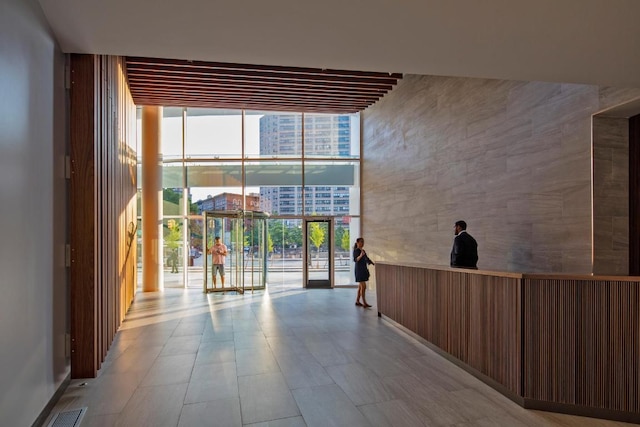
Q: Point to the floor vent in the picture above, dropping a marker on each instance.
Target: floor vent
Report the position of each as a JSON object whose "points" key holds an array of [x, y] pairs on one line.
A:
{"points": [[70, 418]]}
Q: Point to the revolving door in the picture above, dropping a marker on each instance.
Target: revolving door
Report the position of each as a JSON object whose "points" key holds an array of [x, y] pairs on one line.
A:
{"points": [[244, 266]]}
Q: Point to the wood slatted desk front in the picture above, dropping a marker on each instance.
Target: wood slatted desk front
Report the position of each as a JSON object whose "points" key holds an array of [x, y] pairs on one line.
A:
{"points": [[562, 343]]}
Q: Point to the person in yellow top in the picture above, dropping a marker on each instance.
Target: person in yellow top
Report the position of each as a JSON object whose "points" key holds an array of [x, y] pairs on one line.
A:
{"points": [[218, 253]]}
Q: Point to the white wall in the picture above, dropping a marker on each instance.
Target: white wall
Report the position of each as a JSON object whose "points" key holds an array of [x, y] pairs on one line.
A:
{"points": [[33, 299]]}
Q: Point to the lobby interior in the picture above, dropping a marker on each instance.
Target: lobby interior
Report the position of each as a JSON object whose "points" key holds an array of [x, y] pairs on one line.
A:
{"points": [[513, 116]]}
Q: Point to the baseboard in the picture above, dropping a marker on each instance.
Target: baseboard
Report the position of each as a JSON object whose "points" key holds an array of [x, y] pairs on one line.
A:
{"points": [[584, 411], [44, 414]]}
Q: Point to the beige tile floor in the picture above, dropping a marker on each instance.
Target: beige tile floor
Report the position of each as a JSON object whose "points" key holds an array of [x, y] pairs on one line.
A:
{"points": [[285, 357]]}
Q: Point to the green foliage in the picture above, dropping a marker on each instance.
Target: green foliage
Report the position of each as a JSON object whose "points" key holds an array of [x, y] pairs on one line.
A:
{"points": [[284, 236], [316, 236], [293, 236], [345, 242], [174, 198], [173, 234], [269, 243]]}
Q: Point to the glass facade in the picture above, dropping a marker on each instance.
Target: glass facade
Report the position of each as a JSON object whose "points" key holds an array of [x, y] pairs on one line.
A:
{"points": [[291, 166]]}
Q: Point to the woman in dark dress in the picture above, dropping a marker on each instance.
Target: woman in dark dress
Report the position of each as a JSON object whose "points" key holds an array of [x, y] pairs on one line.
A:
{"points": [[362, 271]]}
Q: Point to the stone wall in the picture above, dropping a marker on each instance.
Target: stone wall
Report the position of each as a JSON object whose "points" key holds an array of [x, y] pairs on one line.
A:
{"points": [[513, 159]]}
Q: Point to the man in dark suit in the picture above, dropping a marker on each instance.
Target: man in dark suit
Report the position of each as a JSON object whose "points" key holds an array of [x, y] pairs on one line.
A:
{"points": [[465, 248]]}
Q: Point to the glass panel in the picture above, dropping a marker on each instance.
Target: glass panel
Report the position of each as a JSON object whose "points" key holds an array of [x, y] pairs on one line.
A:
{"points": [[196, 250], [318, 248], [332, 135], [273, 135], [329, 188], [354, 233], [213, 174], [172, 175], [213, 133], [220, 199], [139, 137], [273, 173], [343, 247], [282, 201], [172, 200], [285, 261], [229, 228], [271, 182], [172, 253], [139, 253], [278, 185], [256, 251], [171, 135]]}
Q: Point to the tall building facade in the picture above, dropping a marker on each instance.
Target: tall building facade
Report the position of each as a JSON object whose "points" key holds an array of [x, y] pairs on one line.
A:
{"points": [[325, 136]]}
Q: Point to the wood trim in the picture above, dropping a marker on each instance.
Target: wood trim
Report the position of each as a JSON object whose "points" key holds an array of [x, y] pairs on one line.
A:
{"points": [[172, 82]]}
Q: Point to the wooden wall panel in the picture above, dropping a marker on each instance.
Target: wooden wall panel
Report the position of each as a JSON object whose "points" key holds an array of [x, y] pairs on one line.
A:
{"points": [[553, 342], [82, 274], [474, 318], [550, 317], [582, 344], [102, 206]]}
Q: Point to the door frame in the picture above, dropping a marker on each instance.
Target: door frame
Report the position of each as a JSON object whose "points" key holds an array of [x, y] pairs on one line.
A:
{"points": [[330, 248]]}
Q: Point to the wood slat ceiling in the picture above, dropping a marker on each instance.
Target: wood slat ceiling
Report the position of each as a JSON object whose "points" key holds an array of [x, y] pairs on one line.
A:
{"points": [[181, 83]]}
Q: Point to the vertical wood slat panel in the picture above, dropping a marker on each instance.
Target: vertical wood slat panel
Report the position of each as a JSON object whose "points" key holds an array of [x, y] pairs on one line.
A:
{"points": [[561, 343], [582, 345], [474, 318], [102, 204], [83, 321], [549, 346]]}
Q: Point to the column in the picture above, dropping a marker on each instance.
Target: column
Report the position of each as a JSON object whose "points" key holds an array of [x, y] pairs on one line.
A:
{"points": [[152, 257]]}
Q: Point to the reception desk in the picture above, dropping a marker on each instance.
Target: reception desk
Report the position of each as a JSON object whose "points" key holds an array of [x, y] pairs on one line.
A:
{"points": [[563, 343]]}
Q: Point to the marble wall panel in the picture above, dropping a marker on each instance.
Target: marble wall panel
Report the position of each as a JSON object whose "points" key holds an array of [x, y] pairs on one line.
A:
{"points": [[513, 159], [610, 195]]}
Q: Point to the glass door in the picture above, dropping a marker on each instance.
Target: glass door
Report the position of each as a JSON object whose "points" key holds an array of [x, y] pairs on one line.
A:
{"points": [[223, 260], [236, 251], [256, 250], [318, 253]]}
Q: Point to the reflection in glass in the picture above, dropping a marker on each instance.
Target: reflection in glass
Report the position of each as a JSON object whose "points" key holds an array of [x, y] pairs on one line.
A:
{"points": [[214, 174], [172, 175], [221, 199]]}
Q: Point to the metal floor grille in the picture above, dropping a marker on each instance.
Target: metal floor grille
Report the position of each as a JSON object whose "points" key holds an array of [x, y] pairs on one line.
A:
{"points": [[70, 418]]}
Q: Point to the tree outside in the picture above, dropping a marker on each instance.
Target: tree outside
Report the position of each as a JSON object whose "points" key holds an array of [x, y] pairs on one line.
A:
{"points": [[316, 236], [345, 241]]}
